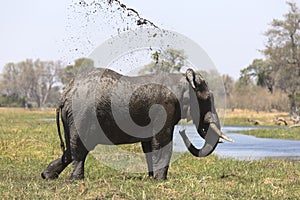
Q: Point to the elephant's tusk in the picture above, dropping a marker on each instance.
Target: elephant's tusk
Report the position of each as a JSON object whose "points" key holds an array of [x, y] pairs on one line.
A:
{"points": [[222, 135]]}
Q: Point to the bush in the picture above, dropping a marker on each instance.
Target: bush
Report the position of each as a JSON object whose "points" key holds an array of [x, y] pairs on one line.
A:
{"points": [[11, 101], [259, 99]]}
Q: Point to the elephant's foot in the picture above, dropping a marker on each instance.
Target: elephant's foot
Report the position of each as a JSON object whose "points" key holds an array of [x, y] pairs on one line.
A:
{"points": [[47, 175], [55, 168], [52, 171], [161, 174], [77, 176], [150, 174], [77, 170]]}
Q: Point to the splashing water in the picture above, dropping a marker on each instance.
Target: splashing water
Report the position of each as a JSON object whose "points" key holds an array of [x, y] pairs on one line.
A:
{"points": [[91, 22]]}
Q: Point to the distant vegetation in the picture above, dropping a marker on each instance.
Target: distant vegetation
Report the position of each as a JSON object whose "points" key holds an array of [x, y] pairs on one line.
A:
{"points": [[37, 83], [279, 70]]}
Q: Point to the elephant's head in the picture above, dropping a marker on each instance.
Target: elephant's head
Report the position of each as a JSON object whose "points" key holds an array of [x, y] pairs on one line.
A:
{"points": [[203, 114]]}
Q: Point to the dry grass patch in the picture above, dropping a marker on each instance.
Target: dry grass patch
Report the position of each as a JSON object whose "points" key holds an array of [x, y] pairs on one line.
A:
{"points": [[248, 117]]}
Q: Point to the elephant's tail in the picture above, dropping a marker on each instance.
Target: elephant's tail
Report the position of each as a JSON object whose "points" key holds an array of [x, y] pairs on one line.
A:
{"points": [[62, 144]]}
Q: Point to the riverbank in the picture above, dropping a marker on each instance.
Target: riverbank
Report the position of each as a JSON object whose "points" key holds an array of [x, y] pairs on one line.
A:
{"points": [[239, 117], [278, 133], [268, 124]]}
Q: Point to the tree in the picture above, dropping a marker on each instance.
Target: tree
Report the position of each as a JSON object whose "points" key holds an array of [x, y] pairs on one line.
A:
{"points": [[45, 76], [228, 85], [260, 70], [283, 40], [30, 80], [244, 82], [170, 60], [18, 79], [283, 52], [9, 81], [80, 65], [280, 69]]}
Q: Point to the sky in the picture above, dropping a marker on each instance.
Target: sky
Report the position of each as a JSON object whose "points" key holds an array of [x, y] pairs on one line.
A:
{"points": [[230, 31]]}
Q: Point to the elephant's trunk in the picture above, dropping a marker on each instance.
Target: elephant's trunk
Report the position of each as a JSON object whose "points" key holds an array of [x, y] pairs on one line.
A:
{"points": [[211, 141]]}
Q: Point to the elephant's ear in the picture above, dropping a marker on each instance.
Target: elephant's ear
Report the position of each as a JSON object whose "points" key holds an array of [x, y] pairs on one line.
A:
{"points": [[190, 77]]}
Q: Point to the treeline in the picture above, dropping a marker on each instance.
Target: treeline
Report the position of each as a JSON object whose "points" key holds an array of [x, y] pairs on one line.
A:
{"points": [[250, 96], [39, 84], [36, 83], [254, 97]]}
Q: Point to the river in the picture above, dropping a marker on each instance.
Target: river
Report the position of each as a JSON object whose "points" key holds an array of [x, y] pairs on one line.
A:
{"points": [[244, 147]]}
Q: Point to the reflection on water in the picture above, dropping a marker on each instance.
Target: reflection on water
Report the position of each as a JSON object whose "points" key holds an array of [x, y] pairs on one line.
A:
{"points": [[245, 147], [47, 119]]}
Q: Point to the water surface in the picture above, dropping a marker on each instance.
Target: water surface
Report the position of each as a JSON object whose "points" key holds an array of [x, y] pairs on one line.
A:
{"points": [[245, 147]]}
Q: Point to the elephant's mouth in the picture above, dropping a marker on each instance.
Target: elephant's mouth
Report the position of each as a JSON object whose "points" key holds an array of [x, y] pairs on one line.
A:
{"points": [[211, 141]]}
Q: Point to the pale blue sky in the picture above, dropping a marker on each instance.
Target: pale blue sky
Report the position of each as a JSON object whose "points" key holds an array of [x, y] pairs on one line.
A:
{"points": [[230, 31]]}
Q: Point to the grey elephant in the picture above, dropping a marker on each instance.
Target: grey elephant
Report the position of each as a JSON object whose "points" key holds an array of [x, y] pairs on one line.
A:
{"points": [[104, 107]]}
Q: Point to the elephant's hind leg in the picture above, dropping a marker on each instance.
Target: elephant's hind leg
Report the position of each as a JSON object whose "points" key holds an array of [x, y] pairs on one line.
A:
{"points": [[161, 157], [162, 147], [147, 149], [57, 166], [79, 153]]}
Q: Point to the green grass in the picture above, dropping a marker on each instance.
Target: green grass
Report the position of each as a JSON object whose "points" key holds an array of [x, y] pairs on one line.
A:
{"points": [[279, 133], [236, 121], [27, 145]]}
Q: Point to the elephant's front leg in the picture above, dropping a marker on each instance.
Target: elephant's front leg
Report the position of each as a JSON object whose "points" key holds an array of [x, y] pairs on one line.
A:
{"points": [[77, 169], [162, 147]]}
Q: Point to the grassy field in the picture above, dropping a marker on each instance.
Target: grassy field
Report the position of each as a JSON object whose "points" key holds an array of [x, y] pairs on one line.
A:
{"points": [[281, 133], [28, 144]]}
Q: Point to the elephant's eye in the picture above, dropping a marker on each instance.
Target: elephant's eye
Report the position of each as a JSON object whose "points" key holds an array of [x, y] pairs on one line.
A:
{"points": [[202, 87], [204, 95]]}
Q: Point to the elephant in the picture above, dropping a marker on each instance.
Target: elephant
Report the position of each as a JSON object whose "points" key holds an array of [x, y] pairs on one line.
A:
{"points": [[130, 109]]}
